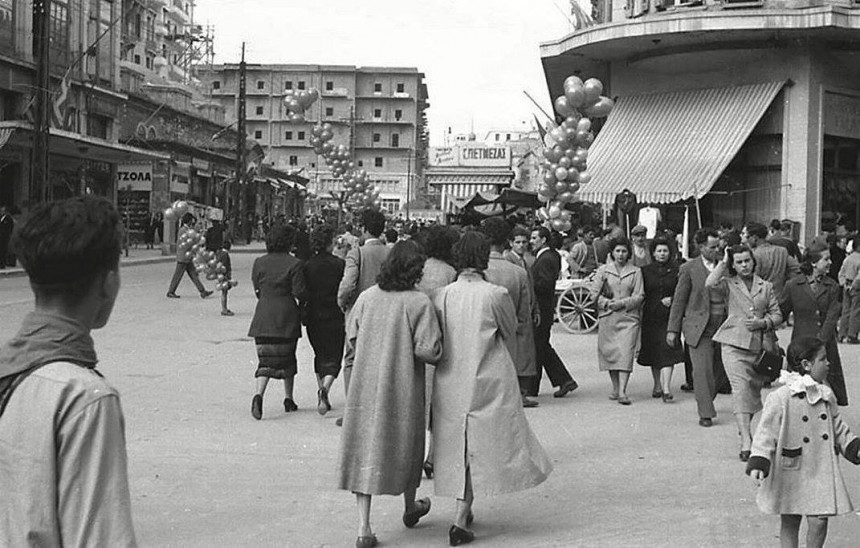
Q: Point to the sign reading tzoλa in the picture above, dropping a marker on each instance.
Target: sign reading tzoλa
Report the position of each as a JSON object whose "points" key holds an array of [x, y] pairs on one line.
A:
{"points": [[134, 176]]}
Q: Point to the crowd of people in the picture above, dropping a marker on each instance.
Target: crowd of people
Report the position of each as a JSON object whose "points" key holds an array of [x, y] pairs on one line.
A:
{"points": [[440, 329]]}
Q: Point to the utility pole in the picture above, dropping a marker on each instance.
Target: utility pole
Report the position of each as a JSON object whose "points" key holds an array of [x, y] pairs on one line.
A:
{"points": [[40, 190], [237, 208]]}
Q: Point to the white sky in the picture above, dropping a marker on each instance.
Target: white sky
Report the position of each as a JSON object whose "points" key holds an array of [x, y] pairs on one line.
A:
{"points": [[477, 55]]}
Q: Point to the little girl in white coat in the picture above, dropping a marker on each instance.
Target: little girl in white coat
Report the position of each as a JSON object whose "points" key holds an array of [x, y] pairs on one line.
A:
{"points": [[796, 446]]}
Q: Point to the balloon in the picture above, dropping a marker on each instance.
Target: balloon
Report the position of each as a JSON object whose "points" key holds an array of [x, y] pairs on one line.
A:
{"points": [[554, 210], [327, 127], [182, 207], [211, 276], [234, 283], [572, 120], [571, 82], [601, 108], [593, 89], [584, 125], [565, 215], [542, 214], [575, 96], [557, 224], [573, 187], [584, 178], [561, 186], [549, 177], [169, 214], [561, 173], [564, 162], [326, 134], [562, 107]]}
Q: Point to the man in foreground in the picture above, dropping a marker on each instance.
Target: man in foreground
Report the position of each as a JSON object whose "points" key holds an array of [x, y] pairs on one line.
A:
{"points": [[63, 466]]}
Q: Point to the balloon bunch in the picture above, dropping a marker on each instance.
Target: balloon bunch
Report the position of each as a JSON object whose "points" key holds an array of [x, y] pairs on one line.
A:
{"points": [[176, 211], [564, 166], [299, 101], [357, 189], [193, 246]]}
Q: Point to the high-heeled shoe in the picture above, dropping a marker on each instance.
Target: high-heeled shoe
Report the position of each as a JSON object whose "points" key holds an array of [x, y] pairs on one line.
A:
{"points": [[422, 508], [368, 541], [428, 469], [257, 406], [457, 536]]}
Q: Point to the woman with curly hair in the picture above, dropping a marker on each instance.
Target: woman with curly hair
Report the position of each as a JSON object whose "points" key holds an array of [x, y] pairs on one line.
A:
{"points": [[322, 316], [394, 332], [483, 443], [279, 282]]}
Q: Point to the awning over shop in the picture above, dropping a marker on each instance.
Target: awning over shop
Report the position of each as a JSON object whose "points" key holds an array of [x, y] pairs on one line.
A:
{"points": [[667, 147], [75, 145]]}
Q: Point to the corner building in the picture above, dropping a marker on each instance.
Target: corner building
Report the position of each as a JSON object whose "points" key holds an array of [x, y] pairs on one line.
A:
{"points": [[748, 110], [378, 112]]}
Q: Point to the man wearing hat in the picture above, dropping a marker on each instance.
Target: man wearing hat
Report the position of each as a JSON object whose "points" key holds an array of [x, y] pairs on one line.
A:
{"points": [[641, 255]]}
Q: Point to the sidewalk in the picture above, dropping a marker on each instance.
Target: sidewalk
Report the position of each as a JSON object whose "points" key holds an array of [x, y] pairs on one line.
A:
{"points": [[141, 256]]}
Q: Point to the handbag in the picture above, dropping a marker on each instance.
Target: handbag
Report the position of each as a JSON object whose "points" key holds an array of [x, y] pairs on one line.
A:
{"points": [[768, 364]]}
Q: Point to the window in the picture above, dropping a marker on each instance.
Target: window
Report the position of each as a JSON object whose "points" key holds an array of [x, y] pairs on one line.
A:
{"points": [[497, 137], [259, 110], [507, 137], [329, 86], [216, 85], [301, 136], [395, 140], [288, 136], [288, 85], [377, 162], [401, 88], [261, 84], [301, 85], [398, 114], [377, 88], [329, 111], [98, 126], [377, 113], [137, 59], [361, 163], [149, 58], [294, 160], [377, 137], [258, 134]]}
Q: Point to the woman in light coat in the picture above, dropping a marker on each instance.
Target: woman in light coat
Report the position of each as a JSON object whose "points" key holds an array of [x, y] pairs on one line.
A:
{"points": [[619, 291], [484, 443], [394, 331], [753, 314]]}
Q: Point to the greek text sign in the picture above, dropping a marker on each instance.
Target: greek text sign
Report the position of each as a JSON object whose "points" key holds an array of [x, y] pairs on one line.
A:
{"points": [[136, 176]]}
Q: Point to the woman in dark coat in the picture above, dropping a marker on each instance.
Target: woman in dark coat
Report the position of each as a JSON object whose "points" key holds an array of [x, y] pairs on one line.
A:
{"points": [[659, 278], [279, 281], [814, 299], [322, 316]]}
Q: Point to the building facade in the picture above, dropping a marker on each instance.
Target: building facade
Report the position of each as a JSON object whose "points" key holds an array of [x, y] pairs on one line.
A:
{"points": [[742, 111], [457, 172], [378, 112]]}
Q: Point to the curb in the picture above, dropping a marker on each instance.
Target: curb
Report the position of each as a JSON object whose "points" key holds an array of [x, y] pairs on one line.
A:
{"points": [[19, 272]]}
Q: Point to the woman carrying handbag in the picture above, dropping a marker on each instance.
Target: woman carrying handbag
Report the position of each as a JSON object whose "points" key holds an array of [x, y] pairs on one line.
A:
{"points": [[753, 313]]}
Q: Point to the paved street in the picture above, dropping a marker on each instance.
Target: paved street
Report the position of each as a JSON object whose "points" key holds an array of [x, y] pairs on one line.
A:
{"points": [[204, 473]]}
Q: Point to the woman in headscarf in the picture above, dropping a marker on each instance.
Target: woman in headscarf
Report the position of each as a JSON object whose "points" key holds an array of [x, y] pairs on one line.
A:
{"points": [[484, 444]]}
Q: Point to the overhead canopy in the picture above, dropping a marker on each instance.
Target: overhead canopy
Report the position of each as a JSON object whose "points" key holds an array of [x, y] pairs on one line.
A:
{"points": [[667, 147]]}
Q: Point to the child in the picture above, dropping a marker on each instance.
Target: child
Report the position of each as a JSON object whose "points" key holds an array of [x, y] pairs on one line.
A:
{"points": [[62, 441], [223, 256], [796, 446]]}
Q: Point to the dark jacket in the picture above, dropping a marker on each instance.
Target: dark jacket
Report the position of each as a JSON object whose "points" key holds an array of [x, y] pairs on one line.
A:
{"points": [[279, 281], [323, 272], [691, 304], [545, 272], [659, 281]]}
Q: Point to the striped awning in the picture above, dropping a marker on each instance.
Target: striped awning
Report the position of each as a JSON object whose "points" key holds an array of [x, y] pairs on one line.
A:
{"points": [[667, 147]]}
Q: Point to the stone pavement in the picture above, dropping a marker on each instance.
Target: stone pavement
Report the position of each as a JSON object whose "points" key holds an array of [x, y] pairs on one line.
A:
{"points": [[204, 473]]}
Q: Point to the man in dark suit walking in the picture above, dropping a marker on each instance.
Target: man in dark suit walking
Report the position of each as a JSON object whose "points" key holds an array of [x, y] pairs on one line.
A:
{"points": [[545, 272], [698, 313]]}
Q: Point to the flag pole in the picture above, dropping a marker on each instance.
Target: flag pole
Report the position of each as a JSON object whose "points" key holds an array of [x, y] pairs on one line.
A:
{"points": [[551, 119]]}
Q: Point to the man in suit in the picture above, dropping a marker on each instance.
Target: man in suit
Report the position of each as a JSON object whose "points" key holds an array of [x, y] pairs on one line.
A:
{"points": [[772, 263], [545, 272], [513, 278], [6, 226], [362, 266], [698, 313]]}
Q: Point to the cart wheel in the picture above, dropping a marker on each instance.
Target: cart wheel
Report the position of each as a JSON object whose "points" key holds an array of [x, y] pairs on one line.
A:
{"points": [[576, 311]]}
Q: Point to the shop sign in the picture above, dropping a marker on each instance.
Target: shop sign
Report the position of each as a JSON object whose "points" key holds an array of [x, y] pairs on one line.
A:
{"points": [[471, 155], [135, 176], [842, 115]]}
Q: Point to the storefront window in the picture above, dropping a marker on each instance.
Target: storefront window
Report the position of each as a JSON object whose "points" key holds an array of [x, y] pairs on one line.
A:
{"points": [[840, 183]]}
